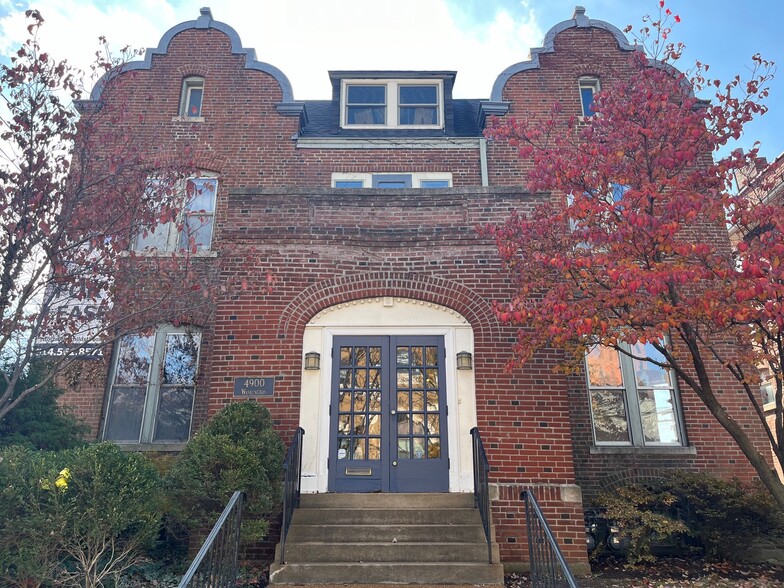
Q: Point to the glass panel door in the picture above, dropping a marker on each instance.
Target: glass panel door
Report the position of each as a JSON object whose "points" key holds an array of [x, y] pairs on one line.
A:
{"points": [[388, 428]]}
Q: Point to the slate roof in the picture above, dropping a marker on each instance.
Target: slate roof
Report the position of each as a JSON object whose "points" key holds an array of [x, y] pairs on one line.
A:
{"points": [[323, 120]]}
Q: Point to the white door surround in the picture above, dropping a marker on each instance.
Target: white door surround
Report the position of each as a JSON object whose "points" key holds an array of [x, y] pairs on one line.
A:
{"points": [[386, 316]]}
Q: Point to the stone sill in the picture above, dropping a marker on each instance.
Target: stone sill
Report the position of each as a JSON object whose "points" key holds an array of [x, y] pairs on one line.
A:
{"points": [[188, 119], [152, 447], [625, 450]]}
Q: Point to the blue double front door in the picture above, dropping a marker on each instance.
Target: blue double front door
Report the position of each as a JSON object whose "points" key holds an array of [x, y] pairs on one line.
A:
{"points": [[388, 415]]}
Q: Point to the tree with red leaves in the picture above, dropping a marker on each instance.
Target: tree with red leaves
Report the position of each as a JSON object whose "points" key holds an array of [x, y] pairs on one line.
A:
{"points": [[632, 246], [75, 192]]}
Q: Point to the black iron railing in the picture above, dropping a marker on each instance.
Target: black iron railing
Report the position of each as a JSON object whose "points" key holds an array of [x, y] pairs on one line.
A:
{"points": [[215, 566], [548, 566], [292, 470], [482, 487]]}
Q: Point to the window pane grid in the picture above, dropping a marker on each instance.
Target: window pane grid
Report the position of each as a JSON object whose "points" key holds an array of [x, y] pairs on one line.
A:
{"points": [[418, 417], [642, 409], [192, 97], [153, 390], [392, 104], [197, 216], [366, 105], [418, 105], [359, 403]]}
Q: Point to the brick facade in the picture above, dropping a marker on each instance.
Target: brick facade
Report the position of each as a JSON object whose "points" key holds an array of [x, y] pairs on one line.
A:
{"points": [[277, 213]]}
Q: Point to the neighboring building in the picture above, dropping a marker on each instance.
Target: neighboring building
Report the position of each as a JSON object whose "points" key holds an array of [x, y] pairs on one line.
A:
{"points": [[364, 208], [763, 183]]}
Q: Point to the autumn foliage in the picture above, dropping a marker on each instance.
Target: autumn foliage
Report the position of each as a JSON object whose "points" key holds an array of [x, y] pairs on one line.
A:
{"points": [[75, 191], [632, 245]]}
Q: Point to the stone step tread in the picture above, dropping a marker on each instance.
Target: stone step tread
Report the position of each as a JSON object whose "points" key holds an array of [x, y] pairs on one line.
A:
{"points": [[412, 533], [376, 500], [387, 551], [397, 573], [385, 516], [366, 543], [376, 526], [385, 585]]}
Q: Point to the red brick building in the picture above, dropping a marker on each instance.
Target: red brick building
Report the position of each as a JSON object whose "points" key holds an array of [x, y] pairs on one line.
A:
{"points": [[364, 208]]}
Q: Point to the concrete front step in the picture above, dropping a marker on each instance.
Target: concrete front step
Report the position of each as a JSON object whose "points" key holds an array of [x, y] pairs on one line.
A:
{"points": [[361, 539], [318, 552], [386, 573], [385, 516], [386, 533], [387, 500]]}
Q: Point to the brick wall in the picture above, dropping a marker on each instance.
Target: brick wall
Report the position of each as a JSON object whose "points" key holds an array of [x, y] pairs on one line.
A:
{"points": [[275, 213]]}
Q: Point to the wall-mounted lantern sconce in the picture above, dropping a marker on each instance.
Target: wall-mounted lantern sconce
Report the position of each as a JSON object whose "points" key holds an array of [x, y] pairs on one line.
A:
{"points": [[312, 360], [465, 361]]}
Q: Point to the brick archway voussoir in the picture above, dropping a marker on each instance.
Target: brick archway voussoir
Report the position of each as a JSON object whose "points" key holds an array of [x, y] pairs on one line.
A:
{"points": [[450, 294]]}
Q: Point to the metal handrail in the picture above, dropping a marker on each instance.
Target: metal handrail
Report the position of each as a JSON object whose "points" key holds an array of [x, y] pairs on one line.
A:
{"points": [[292, 470], [482, 487], [216, 563], [548, 566]]}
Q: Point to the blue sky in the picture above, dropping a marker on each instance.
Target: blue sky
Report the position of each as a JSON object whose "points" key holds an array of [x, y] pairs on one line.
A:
{"points": [[477, 38]]}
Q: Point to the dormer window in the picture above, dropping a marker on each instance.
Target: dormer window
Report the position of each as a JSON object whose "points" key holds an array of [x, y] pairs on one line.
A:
{"points": [[409, 104], [366, 105], [192, 94], [418, 105], [588, 87]]}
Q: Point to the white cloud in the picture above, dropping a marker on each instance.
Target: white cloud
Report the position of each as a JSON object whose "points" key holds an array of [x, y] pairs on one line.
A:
{"points": [[303, 38]]}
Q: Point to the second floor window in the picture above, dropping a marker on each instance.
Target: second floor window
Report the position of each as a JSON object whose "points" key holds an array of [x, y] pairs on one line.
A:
{"points": [[411, 180], [193, 229]]}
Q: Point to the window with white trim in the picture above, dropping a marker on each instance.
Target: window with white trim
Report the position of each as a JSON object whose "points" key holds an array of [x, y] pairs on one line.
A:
{"points": [[193, 230], [191, 97], [588, 87], [413, 180], [409, 104], [633, 402], [152, 387]]}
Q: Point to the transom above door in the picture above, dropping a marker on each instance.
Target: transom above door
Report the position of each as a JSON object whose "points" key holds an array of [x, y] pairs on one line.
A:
{"points": [[388, 415]]}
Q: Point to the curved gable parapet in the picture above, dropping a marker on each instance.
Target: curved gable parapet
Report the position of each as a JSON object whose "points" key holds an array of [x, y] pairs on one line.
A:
{"points": [[578, 21], [205, 21]]}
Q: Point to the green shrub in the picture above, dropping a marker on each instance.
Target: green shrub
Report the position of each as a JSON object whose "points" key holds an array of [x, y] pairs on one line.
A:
{"points": [[723, 517], [38, 421], [76, 517], [236, 450], [643, 515], [28, 554]]}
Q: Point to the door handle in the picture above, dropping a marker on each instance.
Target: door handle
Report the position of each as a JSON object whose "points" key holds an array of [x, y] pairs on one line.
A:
{"points": [[392, 412], [394, 463]]}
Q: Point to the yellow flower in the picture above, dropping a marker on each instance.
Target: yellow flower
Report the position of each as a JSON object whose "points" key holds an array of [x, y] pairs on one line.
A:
{"points": [[61, 483]]}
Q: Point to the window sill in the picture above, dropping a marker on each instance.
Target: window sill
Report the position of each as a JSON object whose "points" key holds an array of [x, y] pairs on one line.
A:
{"points": [[379, 127], [152, 447], [168, 253], [188, 119], [628, 450]]}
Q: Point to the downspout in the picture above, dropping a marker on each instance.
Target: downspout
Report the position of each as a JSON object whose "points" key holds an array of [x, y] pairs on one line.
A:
{"points": [[483, 161]]}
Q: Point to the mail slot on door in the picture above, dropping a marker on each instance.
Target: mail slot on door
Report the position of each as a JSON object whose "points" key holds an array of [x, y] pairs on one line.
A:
{"points": [[359, 472]]}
